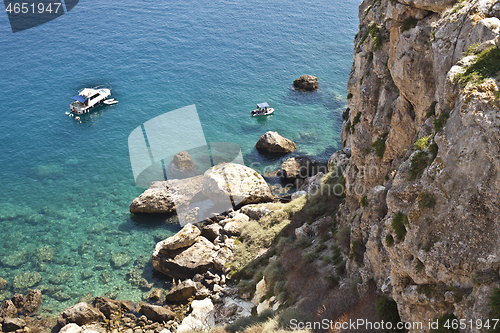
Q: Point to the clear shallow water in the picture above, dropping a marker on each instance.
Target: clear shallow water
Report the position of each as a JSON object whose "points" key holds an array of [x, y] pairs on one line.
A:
{"points": [[66, 187]]}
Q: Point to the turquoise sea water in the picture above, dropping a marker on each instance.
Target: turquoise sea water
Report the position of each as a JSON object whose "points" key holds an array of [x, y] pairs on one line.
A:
{"points": [[66, 187]]}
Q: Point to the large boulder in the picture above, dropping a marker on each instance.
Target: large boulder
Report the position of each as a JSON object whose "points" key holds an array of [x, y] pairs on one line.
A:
{"points": [[8, 309], [233, 225], [239, 183], [167, 196], [32, 301], [200, 319], [297, 168], [108, 306], [26, 279], [182, 291], [274, 143], [306, 82], [182, 166], [80, 314], [157, 313], [184, 263], [184, 238]]}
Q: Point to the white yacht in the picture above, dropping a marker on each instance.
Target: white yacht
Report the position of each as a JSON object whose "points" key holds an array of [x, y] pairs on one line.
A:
{"points": [[87, 99]]}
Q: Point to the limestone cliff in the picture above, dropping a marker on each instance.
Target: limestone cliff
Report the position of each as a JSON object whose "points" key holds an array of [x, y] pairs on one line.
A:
{"points": [[423, 127]]}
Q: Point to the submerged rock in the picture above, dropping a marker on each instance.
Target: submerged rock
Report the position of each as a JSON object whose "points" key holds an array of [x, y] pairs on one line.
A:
{"points": [[274, 143], [239, 183], [80, 314], [3, 284], [120, 259], [306, 83], [26, 280]]}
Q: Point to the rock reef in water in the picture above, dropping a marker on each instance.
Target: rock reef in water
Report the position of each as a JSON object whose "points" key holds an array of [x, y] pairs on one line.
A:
{"points": [[306, 83], [272, 142]]}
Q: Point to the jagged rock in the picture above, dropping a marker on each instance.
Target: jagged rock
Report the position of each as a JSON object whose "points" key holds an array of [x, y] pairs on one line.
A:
{"points": [[71, 328], [297, 167], [200, 319], [211, 231], [3, 284], [233, 225], [238, 182], [255, 212], [339, 159], [432, 5], [156, 295], [274, 143], [157, 313], [109, 306], [26, 280], [184, 263], [182, 166], [18, 300], [13, 324], [167, 196], [298, 194], [32, 301], [181, 292], [302, 231], [120, 259], [80, 314], [184, 238], [8, 309], [306, 82], [312, 184]]}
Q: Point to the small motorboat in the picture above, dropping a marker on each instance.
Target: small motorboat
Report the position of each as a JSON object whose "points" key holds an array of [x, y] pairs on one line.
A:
{"points": [[111, 101], [262, 109]]}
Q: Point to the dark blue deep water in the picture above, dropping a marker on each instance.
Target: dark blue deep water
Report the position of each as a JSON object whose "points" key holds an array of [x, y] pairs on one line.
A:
{"points": [[65, 187]]}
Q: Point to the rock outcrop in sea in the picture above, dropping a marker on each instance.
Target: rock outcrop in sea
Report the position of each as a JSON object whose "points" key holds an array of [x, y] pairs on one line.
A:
{"points": [[272, 142], [306, 83]]}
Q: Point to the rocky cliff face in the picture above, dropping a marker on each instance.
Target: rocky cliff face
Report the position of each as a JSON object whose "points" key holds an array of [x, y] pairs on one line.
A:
{"points": [[423, 128]]}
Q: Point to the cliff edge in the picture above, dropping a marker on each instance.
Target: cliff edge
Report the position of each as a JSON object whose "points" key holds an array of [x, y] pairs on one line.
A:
{"points": [[423, 181]]}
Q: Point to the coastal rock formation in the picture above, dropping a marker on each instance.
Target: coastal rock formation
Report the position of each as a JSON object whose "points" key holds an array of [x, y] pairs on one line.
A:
{"points": [[297, 167], [184, 238], [157, 313], [167, 196], [422, 184], [306, 83], [184, 263], [13, 324], [26, 280], [182, 291], [182, 166], [32, 301], [8, 309], [272, 142], [81, 314], [238, 183]]}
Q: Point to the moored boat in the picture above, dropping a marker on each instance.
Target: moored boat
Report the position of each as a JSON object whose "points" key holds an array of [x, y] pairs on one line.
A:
{"points": [[262, 109], [87, 99]]}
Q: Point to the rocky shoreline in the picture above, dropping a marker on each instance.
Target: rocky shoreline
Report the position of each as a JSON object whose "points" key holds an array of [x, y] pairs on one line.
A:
{"points": [[196, 260]]}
